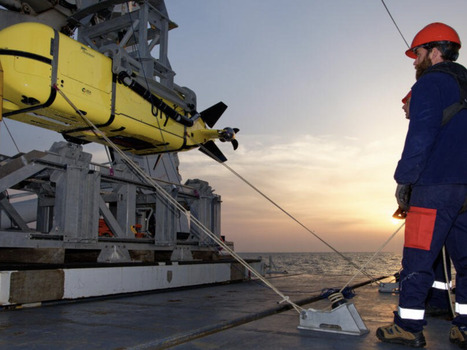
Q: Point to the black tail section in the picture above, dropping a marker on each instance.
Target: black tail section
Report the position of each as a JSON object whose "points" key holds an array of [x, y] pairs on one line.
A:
{"points": [[213, 113], [209, 148]]}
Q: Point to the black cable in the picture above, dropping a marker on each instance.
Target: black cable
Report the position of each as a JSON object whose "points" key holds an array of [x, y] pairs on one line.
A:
{"points": [[393, 21]]}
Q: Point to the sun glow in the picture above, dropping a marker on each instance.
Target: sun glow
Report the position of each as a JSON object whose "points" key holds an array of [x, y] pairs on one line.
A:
{"points": [[396, 221]]}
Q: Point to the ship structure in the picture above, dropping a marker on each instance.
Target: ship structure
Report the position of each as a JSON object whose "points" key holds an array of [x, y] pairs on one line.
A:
{"points": [[71, 228]]}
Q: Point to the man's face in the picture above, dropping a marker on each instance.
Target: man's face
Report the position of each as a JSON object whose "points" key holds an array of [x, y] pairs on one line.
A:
{"points": [[422, 62], [406, 108]]}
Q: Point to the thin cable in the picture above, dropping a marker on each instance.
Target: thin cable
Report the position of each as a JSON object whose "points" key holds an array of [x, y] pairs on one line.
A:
{"points": [[295, 219], [393, 21], [448, 282], [11, 136], [178, 206], [283, 210], [376, 253], [146, 80], [109, 158]]}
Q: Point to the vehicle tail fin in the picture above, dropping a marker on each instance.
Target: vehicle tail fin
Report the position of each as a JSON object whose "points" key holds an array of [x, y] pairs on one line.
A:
{"points": [[209, 148], [212, 114]]}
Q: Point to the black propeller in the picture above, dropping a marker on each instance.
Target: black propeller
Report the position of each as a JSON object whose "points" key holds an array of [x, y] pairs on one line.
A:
{"points": [[228, 135]]}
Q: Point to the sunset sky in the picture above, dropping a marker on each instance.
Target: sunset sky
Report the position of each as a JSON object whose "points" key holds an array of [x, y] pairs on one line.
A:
{"points": [[315, 88]]}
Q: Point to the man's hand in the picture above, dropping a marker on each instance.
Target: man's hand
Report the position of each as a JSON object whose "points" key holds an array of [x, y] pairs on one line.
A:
{"points": [[403, 196]]}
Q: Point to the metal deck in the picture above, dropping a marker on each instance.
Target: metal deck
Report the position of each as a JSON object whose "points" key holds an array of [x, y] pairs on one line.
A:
{"points": [[232, 316]]}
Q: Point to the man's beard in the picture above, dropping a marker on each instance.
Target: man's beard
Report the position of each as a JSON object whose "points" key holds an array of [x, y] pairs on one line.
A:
{"points": [[422, 67]]}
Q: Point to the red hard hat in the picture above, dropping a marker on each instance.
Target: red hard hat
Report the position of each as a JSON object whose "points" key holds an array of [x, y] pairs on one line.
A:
{"points": [[431, 33]]}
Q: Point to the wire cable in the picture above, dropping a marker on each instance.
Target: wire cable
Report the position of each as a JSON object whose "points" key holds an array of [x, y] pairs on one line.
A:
{"points": [[393, 21], [177, 205], [11, 136], [374, 255], [448, 282], [283, 210], [146, 80]]}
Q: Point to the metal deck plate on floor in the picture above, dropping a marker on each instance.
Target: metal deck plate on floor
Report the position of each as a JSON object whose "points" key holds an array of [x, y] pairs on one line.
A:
{"points": [[221, 317]]}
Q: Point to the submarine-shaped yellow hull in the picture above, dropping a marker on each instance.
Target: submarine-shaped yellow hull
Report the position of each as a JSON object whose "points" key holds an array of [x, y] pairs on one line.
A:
{"points": [[36, 59]]}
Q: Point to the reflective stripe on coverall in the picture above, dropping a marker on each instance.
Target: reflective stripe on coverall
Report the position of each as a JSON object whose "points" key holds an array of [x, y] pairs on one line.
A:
{"points": [[433, 220]]}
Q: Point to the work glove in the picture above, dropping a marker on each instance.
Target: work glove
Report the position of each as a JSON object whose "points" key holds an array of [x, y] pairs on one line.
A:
{"points": [[403, 196]]}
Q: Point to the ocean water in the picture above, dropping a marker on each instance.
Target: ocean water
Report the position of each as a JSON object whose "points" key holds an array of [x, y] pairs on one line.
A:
{"points": [[383, 264]]}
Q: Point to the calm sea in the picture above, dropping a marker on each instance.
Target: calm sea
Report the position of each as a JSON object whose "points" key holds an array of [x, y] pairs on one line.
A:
{"points": [[383, 264]]}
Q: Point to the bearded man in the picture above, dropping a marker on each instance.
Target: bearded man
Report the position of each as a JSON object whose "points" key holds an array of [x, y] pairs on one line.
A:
{"points": [[431, 181]]}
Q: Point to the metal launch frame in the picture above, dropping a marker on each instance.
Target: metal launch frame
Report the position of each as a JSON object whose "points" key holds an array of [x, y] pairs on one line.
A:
{"points": [[106, 210]]}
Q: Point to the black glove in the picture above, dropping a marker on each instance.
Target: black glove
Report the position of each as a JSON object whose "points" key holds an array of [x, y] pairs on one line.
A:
{"points": [[403, 196]]}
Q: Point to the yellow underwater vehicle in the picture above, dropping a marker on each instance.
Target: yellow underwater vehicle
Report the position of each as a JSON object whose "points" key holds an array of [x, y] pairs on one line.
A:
{"points": [[138, 114]]}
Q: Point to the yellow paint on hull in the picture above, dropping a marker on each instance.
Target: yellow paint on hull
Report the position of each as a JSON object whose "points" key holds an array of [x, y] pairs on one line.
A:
{"points": [[35, 58]]}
